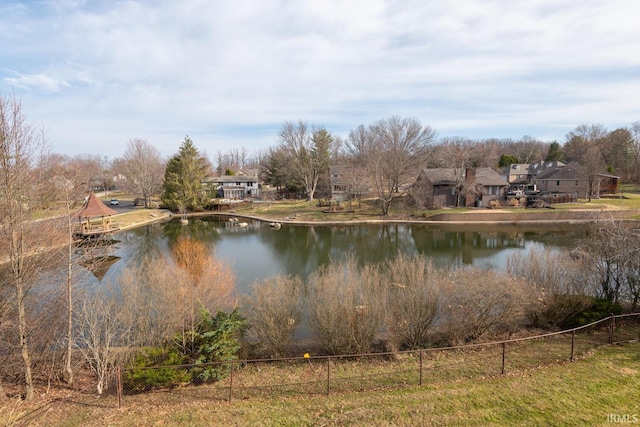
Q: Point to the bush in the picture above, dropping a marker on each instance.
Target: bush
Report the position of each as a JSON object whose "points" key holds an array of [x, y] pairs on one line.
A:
{"points": [[345, 307], [558, 286], [215, 339], [556, 309], [273, 312], [146, 371], [598, 309], [481, 303], [413, 301]]}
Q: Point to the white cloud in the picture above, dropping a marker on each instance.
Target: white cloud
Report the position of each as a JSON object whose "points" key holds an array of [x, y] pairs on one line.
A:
{"points": [[232, 72], [37, 82]]}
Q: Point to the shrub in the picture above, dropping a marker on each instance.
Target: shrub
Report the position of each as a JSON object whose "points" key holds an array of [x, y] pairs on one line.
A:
{"points": [[147, 372], [559, 288], [598, 308], [556, 309], [273, 311], [345, 307], [479, 303], [412, 300], [215, 339]]}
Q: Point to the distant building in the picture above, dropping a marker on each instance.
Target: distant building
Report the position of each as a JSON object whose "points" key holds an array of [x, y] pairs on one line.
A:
{"points": [[574, 178], [235, 187], [347, 183], [446, 187], [525, 173]]}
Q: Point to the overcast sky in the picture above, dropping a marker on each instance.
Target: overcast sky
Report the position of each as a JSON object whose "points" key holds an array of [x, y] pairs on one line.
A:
{"points": [[97, 73]]}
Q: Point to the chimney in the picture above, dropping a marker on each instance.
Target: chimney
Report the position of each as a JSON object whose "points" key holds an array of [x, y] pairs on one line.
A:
{"points": [[470, 182], [470, 176]]}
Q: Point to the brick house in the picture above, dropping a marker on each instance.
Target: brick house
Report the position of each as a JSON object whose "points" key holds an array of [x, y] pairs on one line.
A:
{"points": [[573, 178], [446, 187]]}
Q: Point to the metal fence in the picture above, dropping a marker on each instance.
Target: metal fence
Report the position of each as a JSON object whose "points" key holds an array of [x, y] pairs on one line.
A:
{"points": [[323, 375]]}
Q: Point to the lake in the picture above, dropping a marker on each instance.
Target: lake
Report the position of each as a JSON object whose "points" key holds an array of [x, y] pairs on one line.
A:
{"points": [[257, 251]]}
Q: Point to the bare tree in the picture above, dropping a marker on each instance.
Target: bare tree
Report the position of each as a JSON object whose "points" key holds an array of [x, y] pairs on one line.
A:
{"points": [[143, 167], [309, 151], [21, 149], [583, 146], [635, 149], [617, 151], [232, 160], [392, 150], [611, 254], [68, 178], [98, 333]]}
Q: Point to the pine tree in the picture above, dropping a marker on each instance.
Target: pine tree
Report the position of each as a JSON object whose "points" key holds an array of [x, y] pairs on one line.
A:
{"points": [[183, 179]]}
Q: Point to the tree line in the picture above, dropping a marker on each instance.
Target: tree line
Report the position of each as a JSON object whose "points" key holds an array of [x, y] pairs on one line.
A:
{"points": [[380, 159]]}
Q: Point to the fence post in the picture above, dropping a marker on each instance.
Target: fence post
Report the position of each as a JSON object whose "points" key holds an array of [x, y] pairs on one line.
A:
{"points": [[612, 326], [573, 340], [504, 354], [421, 351], [328, 374], [231, 383], [119, 386]]}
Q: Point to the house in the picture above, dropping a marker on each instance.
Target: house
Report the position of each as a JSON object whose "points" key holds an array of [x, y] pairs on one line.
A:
{"points": [[448, 187], [235, 187], [347, 183], [574, 178], [524, 173]]}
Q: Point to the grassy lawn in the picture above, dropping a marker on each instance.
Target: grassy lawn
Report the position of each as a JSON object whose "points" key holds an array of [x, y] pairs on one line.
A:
{"points": [[583, 392], [300, 210], [139, 217]]}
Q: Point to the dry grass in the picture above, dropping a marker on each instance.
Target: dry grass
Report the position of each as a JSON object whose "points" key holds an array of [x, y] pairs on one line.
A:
{"points": [[579, 393]]}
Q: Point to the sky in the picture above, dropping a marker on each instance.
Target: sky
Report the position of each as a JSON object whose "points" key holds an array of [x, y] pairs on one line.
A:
{"points": [[95, 74]]}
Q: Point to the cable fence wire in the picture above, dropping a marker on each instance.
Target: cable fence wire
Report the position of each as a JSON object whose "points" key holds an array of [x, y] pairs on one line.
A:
{"points": [[323, 375]]}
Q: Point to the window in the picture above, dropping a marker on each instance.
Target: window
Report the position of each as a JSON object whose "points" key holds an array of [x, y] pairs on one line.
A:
{"points": [[558, 183], [577, 182], [338, 188]]}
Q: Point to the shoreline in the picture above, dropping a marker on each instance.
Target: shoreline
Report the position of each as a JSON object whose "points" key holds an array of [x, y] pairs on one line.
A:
{"points": [[466, 218]]}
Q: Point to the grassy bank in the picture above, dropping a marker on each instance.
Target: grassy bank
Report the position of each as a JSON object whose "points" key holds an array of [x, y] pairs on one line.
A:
{"points": [[368, 210], [583, 392]]}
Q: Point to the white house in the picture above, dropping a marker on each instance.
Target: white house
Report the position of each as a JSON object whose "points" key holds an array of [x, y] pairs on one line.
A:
{"points": [[235, 187]]}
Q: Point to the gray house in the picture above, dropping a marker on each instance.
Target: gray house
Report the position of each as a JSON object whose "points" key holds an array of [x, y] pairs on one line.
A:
{"points": [[525, 173], [574, 178], [448, 187], [236, 187]]}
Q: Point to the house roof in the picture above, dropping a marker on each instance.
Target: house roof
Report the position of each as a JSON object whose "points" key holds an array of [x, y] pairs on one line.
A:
{"points": [[571, 170], [233, 178], [489, 177], [446, 176], [94, 207], [440, 176], [516, 169]]}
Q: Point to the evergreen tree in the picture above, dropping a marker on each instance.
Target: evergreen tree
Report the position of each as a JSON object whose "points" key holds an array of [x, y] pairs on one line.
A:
{"points": [[507, 160], [183, 179], [555, 152]]}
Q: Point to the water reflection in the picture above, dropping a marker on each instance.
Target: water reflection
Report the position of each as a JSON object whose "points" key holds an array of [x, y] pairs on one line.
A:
{"points": [[258, 251]]}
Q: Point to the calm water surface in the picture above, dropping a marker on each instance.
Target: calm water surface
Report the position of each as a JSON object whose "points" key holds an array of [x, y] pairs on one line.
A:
{"points": [[257, 251]]}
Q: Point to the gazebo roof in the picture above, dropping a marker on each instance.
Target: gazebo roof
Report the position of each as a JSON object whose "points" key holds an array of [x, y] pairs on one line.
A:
{"points": [[94, 207]]}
